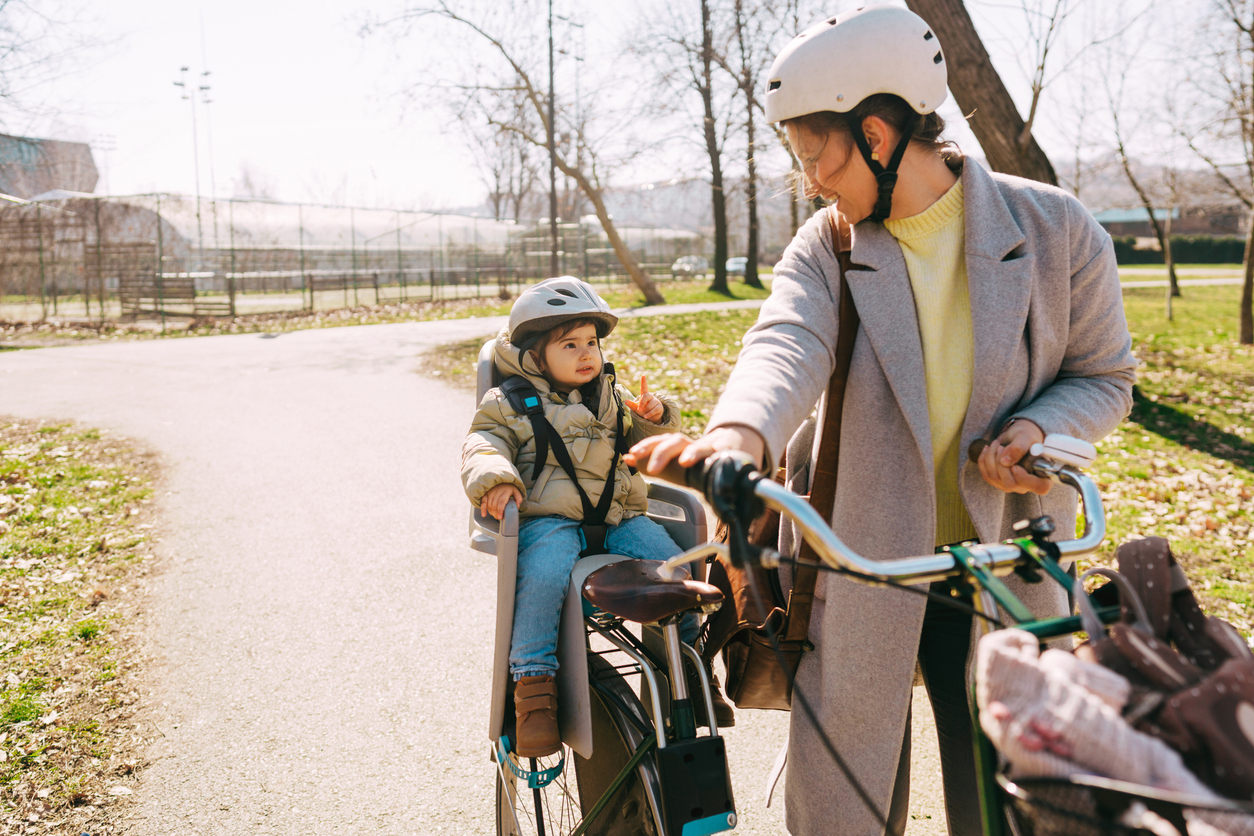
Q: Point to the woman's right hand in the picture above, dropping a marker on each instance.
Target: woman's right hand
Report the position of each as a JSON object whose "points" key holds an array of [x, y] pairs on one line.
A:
{"points": [[653, 454]]}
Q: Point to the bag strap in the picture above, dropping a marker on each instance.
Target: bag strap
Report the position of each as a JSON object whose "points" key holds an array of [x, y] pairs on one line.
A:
{"points": [[823, 483]]}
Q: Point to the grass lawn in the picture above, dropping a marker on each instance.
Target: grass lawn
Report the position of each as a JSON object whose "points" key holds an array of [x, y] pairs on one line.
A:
{"points": [[72, 540], [1181, 466]]}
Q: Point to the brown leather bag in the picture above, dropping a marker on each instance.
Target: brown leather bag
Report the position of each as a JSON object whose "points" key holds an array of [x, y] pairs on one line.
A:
{"points": [[741, 629], [1192, 676]]}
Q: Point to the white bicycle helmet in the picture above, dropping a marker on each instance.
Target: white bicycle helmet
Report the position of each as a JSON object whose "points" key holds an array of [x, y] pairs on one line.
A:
{"points": [[834, 65], [552, 302]]}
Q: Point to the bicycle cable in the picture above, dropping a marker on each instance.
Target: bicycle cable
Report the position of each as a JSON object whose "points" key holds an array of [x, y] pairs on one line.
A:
{"points": [[946, 600], [800, 698]]}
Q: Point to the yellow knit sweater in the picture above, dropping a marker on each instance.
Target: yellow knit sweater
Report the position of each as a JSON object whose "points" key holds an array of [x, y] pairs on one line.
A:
{"points": [[932, 244]]}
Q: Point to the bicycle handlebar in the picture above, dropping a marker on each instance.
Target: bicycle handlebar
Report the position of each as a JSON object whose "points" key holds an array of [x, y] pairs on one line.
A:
{"points": [[730, 478]]}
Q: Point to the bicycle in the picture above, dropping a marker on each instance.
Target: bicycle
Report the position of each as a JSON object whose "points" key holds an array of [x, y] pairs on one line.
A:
{"points": [[640, 768], [1080, 805]]}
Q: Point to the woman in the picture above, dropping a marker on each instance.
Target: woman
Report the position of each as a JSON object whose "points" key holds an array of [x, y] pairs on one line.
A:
{"points": [[989, 305]]}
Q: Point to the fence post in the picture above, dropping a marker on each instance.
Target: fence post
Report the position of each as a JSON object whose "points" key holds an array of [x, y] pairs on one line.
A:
{"points": [[100, 268], [352, 243], [231, 280], [400, 268], [43, 279], [160, 267], [304, 279]]}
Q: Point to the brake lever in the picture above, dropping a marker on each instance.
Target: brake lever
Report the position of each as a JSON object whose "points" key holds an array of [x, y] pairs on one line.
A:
{"points": [[1046, 458]]}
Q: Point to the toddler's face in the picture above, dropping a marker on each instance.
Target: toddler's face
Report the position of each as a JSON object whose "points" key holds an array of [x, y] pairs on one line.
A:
{"points": [[573, 360]]}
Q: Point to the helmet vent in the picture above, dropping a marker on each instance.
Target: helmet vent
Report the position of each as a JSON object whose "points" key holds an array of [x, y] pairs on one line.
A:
{"points": [[563, 291], [832, 21], [774, 85], [557, 302], [937, 59], [928, 36]]}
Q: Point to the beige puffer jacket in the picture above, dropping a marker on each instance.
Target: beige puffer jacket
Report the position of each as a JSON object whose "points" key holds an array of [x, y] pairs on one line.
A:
{"points": [[500, 448]]}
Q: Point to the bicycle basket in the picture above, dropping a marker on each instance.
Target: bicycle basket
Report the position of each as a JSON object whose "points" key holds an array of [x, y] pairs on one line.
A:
{"points": [[1088, 805]]}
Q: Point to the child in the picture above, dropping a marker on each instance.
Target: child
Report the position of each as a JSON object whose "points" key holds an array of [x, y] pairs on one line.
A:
{"points": [[553, 341]]}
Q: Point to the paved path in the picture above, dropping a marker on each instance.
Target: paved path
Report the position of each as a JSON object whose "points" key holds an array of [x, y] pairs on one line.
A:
{"points": [[1183, 282], [318, 638]]}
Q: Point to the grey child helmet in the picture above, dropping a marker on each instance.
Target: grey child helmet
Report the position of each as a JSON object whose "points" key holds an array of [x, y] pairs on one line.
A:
{"points": [[551, 302]]}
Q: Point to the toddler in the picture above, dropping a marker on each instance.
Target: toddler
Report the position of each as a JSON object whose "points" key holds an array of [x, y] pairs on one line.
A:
{"points": [[553, 342]]}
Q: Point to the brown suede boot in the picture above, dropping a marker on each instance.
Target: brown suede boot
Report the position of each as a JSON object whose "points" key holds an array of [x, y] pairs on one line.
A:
{"points": [[724, 714], [535, 706]]}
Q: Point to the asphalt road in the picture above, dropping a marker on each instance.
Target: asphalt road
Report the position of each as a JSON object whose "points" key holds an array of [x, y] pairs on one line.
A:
{"points": [[319, 631]]}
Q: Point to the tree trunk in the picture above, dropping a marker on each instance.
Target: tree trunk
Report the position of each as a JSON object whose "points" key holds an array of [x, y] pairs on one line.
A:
{"points": [[718, 198], [652, 296], [979, 91], [1173, 284], [751, 252], [747, 85], [1247, 290]]}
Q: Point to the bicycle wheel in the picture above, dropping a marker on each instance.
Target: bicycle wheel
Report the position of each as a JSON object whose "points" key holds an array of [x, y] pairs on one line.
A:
{"points": [[618, 726]]}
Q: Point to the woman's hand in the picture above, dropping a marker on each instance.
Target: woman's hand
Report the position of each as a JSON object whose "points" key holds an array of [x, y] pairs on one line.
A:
{"points": [[648, 406], [654, 453], [494, 501], [998, 461]]}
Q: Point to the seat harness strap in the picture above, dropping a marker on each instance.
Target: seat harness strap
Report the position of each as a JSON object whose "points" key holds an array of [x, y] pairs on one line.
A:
{"points": [[524, 398]]}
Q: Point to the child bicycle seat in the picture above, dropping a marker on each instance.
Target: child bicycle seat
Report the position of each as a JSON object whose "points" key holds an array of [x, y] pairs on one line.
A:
{"points": [[676, 510]]}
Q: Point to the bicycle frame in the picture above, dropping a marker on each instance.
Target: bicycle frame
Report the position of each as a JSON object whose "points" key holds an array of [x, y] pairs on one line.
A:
{"points": [[982, 565]]}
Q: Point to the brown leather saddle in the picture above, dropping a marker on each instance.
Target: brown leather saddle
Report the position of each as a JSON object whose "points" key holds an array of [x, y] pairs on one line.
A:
{"points": [[633, 590]]}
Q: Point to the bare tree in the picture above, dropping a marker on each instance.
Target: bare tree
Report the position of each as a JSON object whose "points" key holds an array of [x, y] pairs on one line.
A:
{"points": [[508, 165], [1223, 87], [684, 51], [1004, 135], [704, 85], [582, 168], [40, 42]]}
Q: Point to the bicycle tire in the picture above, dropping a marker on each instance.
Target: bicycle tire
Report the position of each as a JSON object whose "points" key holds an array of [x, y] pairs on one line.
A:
{"points": [[632, 810]]}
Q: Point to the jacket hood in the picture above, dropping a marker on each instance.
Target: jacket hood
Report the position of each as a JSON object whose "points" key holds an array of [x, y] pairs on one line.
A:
{"points": [[511, 360]]}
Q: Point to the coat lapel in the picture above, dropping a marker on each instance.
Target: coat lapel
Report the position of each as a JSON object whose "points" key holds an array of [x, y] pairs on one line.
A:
{"points": [[1000, 286], [885, 301]]}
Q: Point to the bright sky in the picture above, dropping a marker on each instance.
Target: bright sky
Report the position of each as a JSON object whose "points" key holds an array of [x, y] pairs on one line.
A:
{"points": [[299, 98]]}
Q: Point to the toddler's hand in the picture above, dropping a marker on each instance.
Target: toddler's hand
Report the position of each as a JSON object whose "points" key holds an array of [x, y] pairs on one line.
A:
{"points": [[494, 501], [647, 406]]}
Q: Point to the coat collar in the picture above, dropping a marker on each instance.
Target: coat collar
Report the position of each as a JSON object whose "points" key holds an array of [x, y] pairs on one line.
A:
{"points": [[999, 285]]}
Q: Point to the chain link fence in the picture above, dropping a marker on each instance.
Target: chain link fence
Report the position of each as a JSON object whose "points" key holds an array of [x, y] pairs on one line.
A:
{"points": [[170, 255]]}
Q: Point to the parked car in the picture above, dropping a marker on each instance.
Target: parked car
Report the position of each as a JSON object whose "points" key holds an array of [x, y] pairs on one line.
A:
{"points": [[736, 266], [689, 266]]}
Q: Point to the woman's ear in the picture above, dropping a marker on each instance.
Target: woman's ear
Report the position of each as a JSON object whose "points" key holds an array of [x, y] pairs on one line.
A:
{"points": [[880, 137]]}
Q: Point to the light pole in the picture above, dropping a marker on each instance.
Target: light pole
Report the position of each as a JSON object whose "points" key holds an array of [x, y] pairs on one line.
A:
{"points": [[553, 268], [213, 182], [190, 95]]}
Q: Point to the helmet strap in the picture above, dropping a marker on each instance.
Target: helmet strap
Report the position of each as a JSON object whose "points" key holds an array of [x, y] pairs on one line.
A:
{"points": [[885, 175]]}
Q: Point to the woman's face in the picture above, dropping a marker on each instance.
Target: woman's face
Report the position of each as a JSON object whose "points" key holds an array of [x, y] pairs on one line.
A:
{"points": [[834, 170]]}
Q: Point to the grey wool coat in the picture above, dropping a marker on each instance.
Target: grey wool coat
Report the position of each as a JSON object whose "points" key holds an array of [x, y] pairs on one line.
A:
{"points": [[1051, 345]]}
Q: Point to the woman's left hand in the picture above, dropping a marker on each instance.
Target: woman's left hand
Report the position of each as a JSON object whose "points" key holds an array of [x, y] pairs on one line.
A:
{"points": [[999, 461], [648, 406]]}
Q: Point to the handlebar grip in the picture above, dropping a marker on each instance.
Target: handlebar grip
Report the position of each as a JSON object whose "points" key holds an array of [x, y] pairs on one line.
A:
{"points": [[977, 448], [688, 477]]}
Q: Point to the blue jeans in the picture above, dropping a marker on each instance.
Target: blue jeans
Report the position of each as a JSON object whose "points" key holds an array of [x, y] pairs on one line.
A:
{"points": [[547, 550]]}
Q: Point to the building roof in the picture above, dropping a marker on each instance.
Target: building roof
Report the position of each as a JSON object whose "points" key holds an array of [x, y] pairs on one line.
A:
{"points": [[31, 166], [1133, 214]]}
